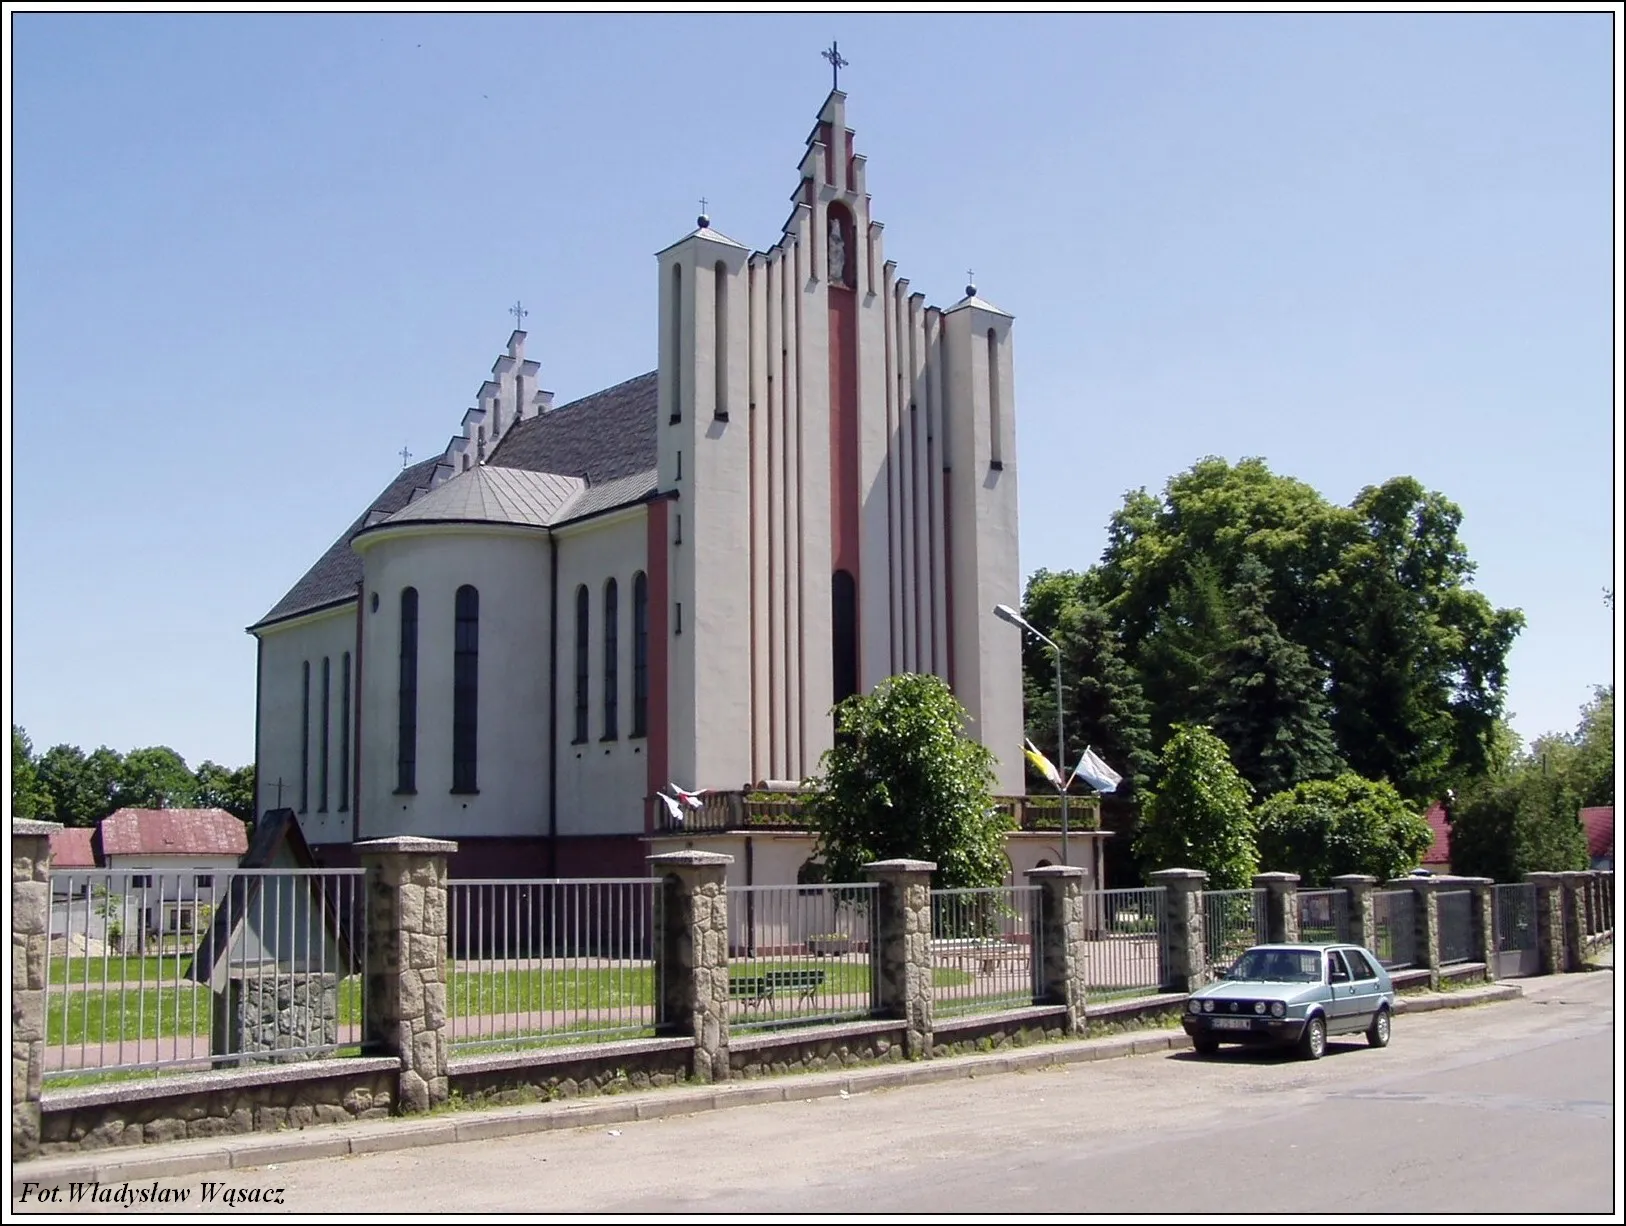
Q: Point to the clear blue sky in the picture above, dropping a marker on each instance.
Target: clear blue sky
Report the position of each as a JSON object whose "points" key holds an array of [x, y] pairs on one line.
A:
{"points": [[252, 256]]}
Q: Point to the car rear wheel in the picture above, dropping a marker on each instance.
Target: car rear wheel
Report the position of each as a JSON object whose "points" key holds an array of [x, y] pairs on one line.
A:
{"points": [[1203, 1045], [1377, 1034], [1313, 1043]]}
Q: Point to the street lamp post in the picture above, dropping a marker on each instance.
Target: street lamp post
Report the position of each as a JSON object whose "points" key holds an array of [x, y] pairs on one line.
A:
{"points": [[1005, 613]]}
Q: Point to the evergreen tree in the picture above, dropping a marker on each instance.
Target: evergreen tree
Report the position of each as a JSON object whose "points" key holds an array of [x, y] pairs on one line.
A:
{"points": [[1198, 816], [1268, 699]]}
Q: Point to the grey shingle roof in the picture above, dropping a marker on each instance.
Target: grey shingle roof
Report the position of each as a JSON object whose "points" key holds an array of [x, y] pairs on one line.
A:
{"points": [[334, 576], [600, 437], [494, 496], [604, 438]]}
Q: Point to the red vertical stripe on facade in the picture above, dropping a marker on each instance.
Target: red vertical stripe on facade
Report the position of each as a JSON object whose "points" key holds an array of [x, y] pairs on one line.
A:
{"points": [[844, 516], [660, 615], [828, 141]]}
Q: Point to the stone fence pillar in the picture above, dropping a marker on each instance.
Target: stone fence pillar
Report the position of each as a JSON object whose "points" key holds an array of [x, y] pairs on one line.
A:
{"points": [[1363, 926], [1575, 911], [30, 915], [1425, 892], [691, 954], [1185, 962], [902, 965], [1549, 921], [406, 962], [1060, 932], [1483, 939], [1281, 906]]}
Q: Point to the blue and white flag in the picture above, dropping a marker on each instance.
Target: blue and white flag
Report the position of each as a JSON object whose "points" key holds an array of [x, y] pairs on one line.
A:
{"points": [[1096, 773]]}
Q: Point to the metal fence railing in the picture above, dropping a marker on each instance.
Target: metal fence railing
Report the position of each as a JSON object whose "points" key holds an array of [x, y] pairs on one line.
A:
{"points": [[1323, 916], [550, 961], [986, 953], [1599, 891], [1514, 909], [1395, 926], [800, 953], [1127, 932], [1233, 922], [171, 971], [1456, 916]]}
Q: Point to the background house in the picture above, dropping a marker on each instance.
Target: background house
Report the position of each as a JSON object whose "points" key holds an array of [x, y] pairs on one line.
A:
{"points": [[1599, 823]]}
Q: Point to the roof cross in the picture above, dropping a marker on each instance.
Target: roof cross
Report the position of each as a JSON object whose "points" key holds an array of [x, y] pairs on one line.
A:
{"points": [[833, 54], [519, 313], [405, 455]]}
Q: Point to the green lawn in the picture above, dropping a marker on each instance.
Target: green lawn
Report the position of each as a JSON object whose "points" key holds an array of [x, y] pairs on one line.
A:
{"points": [[115, 968], [90, 1015]]}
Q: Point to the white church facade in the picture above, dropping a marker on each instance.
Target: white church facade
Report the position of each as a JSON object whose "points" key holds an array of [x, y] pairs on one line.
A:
{"points": [[525, 638]]}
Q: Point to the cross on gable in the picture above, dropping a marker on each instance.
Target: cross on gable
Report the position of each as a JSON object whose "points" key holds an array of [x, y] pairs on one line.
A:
{"points": [[833, 54]]}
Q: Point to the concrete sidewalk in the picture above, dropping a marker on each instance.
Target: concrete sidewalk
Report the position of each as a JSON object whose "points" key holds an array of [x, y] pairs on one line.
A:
{"points": [[448, 1127]]}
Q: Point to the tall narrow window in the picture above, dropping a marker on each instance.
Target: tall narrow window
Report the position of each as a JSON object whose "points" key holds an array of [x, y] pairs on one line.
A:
{"points": [[995, 459], [406, 752], [581, 664], [344, 732], [640, 655], [305, 738], [677, 344], [496, 417], [611, 654], [719, 324], [466, 690], [844, 634], [321, 752]]}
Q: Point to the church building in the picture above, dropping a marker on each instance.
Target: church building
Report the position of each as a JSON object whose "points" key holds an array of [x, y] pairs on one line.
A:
{"points": [[673, 580]]}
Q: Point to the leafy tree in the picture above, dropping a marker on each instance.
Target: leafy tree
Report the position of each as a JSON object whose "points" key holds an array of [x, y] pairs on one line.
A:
{"points": [[216, 787], [1325, 827], [1518, 823], [1269, 701], [903, 780], [155, 778], [83, 789], [1198, 816], [29, 797]]}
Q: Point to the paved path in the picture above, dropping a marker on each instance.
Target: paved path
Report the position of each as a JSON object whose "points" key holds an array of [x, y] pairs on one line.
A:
{"points": [[1503, 1108]]}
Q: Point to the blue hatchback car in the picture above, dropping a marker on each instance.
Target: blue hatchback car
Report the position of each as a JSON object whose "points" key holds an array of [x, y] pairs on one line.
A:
{"points": [[1294, 995]]}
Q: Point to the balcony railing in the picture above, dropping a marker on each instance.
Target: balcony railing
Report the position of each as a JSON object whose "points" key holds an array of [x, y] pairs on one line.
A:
{"points": [[755, 809]]}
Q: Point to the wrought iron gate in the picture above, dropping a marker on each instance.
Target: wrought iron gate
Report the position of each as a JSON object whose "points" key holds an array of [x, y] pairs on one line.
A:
{"points": [[1516, 952]]}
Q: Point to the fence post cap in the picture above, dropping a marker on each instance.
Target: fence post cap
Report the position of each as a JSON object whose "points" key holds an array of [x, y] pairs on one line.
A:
{"points": [[1348, 880], [1574, 875], [901, 866], [1172, 875], [689, 859], [29, 828], [407, 844], [1543, 878], [1266, 880], [1065, 871], [1421, 885]]}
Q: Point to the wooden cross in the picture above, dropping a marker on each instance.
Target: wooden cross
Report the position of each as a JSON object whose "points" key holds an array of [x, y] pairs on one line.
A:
{"points": [[833, 54], [519, 313]]}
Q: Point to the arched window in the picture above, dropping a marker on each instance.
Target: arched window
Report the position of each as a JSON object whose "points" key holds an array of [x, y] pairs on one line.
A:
{"points": [[581, 664], [611, 653], [406, 751], [305, 738], [465, 689], [640, 655]]}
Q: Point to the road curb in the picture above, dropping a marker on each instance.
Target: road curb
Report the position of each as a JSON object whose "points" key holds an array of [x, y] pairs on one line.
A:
{"points": [[381, 1136]]}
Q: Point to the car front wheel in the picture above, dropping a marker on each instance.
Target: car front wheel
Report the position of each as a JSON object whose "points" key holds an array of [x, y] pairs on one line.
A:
{"points": [[1313, 1042], [1377, 1034], [1203, 1045]]}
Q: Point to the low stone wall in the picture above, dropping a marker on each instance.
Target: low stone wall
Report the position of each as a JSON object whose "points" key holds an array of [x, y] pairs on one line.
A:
{"points": [[1138, 1013], [547, 1074], [842, 1045], [1461, 974], [260, 1099], [959, 1036]]}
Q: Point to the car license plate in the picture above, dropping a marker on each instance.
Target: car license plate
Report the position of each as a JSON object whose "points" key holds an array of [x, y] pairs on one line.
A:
{"points": [[1231, 1023]]}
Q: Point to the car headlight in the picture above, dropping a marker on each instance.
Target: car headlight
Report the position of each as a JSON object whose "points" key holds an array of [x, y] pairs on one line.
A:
{"points": [[1258, 1006], [1278, 1009], [1208, 1006], [1196, 1006]]}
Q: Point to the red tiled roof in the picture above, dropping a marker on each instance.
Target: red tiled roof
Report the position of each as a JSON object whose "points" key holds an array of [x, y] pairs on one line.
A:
{"points": [[1599, 824], [1439, 851], [71, 848], [173, 832]]}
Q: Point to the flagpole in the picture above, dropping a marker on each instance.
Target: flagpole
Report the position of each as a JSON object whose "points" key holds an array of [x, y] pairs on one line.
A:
{"points": [[1061, 756]]}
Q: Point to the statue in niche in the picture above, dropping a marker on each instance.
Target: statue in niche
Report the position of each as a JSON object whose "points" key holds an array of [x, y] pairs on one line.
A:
{"points": [[838, 252]]}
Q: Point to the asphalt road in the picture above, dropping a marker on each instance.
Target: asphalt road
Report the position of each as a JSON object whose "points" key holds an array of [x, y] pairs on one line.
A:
{"points": [[1504, 1108]]}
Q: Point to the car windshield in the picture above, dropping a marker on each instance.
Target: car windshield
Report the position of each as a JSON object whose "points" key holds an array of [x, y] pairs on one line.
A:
{"points": [[1278, 966]]}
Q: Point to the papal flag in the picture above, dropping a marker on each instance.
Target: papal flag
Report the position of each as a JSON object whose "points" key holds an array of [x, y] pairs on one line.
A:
{"points": [[1043, 765], [1096, 773]]}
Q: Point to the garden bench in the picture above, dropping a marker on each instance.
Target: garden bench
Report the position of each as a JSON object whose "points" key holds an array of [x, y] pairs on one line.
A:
{"points": [[804, 983], [749, 988]]}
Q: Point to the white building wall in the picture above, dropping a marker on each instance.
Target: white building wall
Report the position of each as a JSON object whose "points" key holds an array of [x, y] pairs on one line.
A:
{"points": [[285, 649], [509, 567], [601, 783]]}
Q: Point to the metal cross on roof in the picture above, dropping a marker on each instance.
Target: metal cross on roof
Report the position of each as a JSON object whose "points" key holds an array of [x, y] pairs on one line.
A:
{"points": [[833, 54], [405, 456], [519, 313]]}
